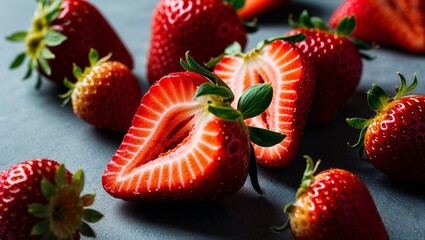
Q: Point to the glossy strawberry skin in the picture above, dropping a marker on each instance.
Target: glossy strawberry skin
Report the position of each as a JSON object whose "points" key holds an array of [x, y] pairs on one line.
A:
{"points": [[205, 28], [107, 97], [337, 205], [290, 73], [398, 23], [20, 186], [176, 151], [85, 27], [256, 8], [338, 67], [395, 140]]}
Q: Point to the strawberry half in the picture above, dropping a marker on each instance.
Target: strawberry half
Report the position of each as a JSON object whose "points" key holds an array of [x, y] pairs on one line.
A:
{"points": [[281, 64], [186, 142], [106, 93], [337, 62], [40, 199], [61, 34], [205, 28], [394, 139], [395, 23], [334, 204]]}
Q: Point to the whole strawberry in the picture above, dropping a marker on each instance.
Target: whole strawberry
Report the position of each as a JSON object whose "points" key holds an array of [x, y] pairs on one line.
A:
{"points": [[205, 28], [61, 34], [187, 143], [40, 199], [106, 93], [278, 62], [394, 23], [337, 64], [394, 139], [333, 204]]}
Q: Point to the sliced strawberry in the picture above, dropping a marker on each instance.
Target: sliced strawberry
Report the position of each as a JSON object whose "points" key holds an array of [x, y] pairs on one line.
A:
{"points": [[284, 66], [178, 148]]}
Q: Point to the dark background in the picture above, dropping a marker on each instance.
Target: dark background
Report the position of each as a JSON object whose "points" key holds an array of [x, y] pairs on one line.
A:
{"points": [[34, 125]]}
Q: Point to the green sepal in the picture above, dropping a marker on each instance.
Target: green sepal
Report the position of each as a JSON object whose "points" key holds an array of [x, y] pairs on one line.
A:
{"points": [[44, 66], [255, 100], [360, 141], [346, 26], [38, 82], [305, 20], [47, 54], [226, 113], [60, 176], [18, 60], [264, 137], [286, 209], [308, 176], [88, 199], [67, 96], [86, 230], [53, 38], [209, 88], [358, 123], [17, 36], [77, 181], [47, 189], [93, 56], [404, 89], [91, 215], [291, 38], [77, 71], [40, 228], [361, 45], [236, 4], [319, 23], [53, 10], [39, 210], [251, 26], [375, 102], [233, 49], [253, 172], [30, 68]]}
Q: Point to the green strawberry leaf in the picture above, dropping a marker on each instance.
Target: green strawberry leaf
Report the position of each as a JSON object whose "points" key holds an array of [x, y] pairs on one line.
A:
{"points": [[292, 38], [30, 68], [39, 210], [86, 230], [227, 113], [45, 66], [264, 137], [358, 123], [374, 101], [77, 181], [253, 173], [88, 199], [319, 23], [91, 215], [236, 4], [233, 49], [346, 26], [18, 60], [60, 176], [53, 38], [305, 20], [209, 88], [38, 82], [77, 71], [53, 10], [47, 188], [255, 100], [17, 36], [93, 57], [40, 228], [47, 54]]}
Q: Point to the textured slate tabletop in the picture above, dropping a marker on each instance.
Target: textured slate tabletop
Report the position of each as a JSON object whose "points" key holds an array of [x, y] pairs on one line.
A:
{"points": [[34, 125]]}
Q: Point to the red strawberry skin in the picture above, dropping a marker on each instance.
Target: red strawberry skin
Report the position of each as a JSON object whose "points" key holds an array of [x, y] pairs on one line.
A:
{"points": [[338, 67], [85, 27], [395, 139], [107, 97], [399, 24], [289, 72], [20, 186], [337, 205], [255, 8], [205, 28], [177, 151]]}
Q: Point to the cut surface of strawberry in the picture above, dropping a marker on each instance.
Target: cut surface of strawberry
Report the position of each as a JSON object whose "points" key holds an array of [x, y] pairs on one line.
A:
{"points": [[281, 64]]}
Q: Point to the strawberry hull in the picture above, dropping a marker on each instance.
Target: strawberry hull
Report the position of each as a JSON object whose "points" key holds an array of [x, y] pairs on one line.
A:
{"points": [[85, 27], [176, 150]]}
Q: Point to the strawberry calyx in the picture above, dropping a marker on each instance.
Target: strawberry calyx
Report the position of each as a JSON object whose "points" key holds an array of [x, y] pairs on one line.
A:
{"points": [[344, 29], [235, 48], [254, 101], [306, 181], [39, 37], [80, 74], [379, 101], [66, 211]]}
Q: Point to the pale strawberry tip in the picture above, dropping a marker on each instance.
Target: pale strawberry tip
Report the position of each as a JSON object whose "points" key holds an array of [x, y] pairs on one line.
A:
{"points": [[65, 212], [37, 39], [378, 100]]}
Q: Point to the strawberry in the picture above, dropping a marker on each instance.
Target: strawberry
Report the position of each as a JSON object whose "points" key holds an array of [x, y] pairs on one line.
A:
{"points": [[394, 139], [40, 199], [394, 23], [205, 28], [337, 64], [62, 33], [280, 63], [186, 142], [255, 8], [106, 93], [334, 204]]}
